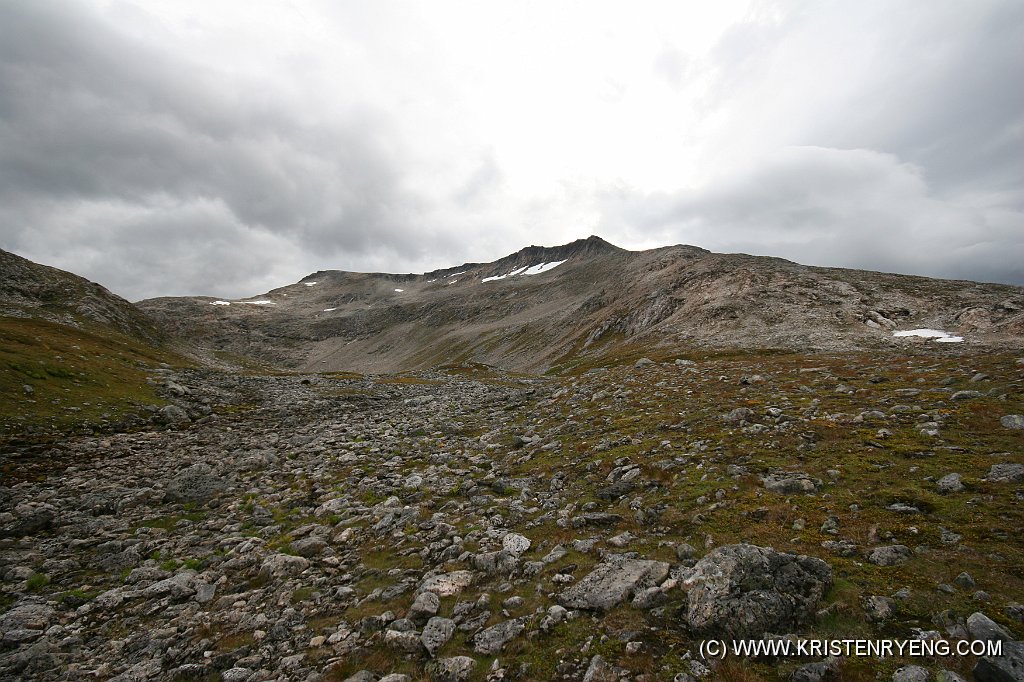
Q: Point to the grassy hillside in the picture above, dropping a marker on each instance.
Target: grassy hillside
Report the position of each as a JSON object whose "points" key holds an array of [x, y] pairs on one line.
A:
{"points": [[55, 378]]}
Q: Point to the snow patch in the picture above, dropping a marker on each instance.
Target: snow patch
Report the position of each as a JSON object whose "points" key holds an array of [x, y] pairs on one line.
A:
{"points": [[221, 303], [309, 284], [260, 302], [508, 274], [527, 270], [938, 335], [453, 282], [543, 267], [399, 290], [456, 274], [329, 310]]}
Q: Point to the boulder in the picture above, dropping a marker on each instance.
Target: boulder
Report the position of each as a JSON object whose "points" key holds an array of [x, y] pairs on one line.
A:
{"points": [[436, 633], [612, 582], [747, 591], [455, 669], [447, 584], [492, 640], [791, 483], [1006, 473], [196, 483], [1009, 667], [1013, 421], [890, 555]]}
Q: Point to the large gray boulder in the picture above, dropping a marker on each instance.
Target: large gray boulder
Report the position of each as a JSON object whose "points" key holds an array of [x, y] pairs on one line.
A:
{"points": [[612, 582], [1009, 667], [745, 591]]}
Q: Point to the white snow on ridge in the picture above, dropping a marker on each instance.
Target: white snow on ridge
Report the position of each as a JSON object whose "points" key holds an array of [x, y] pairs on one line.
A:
{"points": [[938, 335], [543, 267], [309, 284], [260, 302], [527, 270], [329, 310], [508, 274], [399, 290], [221, 303]]}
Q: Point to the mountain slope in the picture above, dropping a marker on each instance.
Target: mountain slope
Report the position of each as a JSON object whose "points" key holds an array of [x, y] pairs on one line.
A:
{"points": [[72, 354], [29, 289], [543, 307]]}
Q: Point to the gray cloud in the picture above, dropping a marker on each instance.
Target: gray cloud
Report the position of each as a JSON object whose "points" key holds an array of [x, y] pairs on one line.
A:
{"points": [[848, 208], [159, 163], [93, 117]]}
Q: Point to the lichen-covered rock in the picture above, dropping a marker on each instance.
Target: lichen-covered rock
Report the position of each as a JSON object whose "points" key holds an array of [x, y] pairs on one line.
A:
{"points": [[493, 639], [746, 591], [890, 555], [612, 582]]}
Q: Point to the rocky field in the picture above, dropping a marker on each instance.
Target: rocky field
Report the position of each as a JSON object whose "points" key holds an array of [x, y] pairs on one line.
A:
{"points": [[470, 524]]}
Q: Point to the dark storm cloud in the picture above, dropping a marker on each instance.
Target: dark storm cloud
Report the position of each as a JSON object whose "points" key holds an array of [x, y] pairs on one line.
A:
{"points": [[93, 117]]}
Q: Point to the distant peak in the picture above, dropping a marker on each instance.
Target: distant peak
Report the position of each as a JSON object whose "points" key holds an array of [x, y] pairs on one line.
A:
{"points": [[591, 246]]}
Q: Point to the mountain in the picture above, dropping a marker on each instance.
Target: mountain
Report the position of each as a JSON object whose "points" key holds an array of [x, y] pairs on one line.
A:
{"points": [[31, 290], [543, 307], [73, 355]]}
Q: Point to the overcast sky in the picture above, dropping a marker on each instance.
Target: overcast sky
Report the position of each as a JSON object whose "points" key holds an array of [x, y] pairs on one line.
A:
{"points": [[171, 147]]}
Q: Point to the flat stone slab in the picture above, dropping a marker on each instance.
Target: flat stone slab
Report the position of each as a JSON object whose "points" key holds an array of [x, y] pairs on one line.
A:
{"points": [[612, 582]]}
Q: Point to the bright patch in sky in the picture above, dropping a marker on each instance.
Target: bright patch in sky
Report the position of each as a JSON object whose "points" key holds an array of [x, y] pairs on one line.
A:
{"points": [[938, 335]]}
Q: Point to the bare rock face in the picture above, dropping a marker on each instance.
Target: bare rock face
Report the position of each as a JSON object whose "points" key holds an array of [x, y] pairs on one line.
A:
{"points": [[747, 591]]}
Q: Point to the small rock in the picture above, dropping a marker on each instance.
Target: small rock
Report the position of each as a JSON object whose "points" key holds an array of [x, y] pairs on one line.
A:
{"points": [[455, 669], [1013, 421], [950, 483], [910, 673], [965, 581]]}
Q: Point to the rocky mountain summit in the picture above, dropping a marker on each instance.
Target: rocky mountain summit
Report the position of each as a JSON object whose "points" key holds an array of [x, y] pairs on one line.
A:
{"points": [[544, 308], [162, 518]]}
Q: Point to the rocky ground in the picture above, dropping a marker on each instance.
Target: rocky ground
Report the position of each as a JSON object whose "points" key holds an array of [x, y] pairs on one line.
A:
{"points": [[468, 524]]}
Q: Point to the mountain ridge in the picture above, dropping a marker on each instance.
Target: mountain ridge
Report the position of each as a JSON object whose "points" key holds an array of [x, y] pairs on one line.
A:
{"points": [[542, 307]]}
